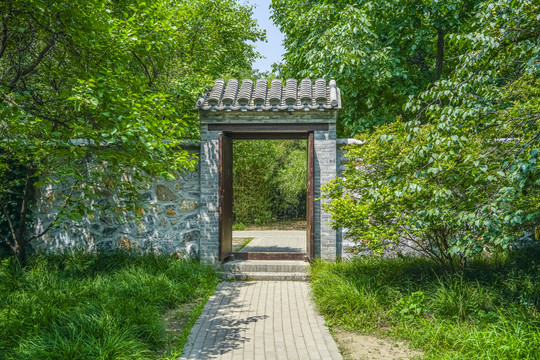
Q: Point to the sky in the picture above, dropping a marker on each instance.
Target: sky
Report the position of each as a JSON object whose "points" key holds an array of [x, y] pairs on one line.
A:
{"points": [[273, 48]]}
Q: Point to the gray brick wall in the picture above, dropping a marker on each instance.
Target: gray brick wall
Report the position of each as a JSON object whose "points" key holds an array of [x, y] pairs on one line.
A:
{"points": [[209, 207], [325, 170]]}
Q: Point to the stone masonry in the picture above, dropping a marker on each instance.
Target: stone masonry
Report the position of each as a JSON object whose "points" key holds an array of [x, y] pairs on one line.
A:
{"points": [[182, 216], [168, 222]]}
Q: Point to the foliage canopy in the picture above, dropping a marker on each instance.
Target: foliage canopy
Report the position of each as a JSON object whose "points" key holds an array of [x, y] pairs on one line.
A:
{"points": [[461, 175], [379, 52], [269, 180], [93, 90]]}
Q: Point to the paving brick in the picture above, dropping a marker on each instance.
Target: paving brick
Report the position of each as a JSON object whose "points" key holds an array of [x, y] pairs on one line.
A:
{"points": [[261, 320]]}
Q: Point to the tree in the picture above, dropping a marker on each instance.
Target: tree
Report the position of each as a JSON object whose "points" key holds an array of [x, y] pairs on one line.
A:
{"points": [[96, 96], [380, 52], [254, 166], [291, 180], [461, 175], [269, 180]]}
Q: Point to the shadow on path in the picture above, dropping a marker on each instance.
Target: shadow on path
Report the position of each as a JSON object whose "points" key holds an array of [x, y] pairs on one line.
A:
{"points": [[222, 327], [261, 320]]}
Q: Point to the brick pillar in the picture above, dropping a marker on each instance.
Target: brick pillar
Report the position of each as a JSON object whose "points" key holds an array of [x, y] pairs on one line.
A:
{"points": [[325, 170], [209, 163]]}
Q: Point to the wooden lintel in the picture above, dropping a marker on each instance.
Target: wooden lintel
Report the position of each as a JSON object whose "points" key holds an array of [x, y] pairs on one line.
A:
{"points": [[270, 128], [267, 136]]}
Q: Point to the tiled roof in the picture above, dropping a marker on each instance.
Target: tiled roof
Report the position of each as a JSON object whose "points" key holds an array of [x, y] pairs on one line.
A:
{"points": [[276, 97]]}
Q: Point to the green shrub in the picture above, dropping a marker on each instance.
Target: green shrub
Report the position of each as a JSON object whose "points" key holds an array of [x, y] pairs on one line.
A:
{"points": [[87, 307], [489, 311], [239, 226], [411, 306]]}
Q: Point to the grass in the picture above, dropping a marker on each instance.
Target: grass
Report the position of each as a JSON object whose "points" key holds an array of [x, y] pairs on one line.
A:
{"points": [[243, 245], [490, 311], [106, 307]]}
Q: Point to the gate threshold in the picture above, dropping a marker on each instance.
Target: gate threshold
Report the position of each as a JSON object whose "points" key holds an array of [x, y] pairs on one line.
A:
{"points": [[269, 256]]}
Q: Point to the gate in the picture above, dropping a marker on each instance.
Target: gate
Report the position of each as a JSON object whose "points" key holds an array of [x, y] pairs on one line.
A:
{"points": [[245, 111]]}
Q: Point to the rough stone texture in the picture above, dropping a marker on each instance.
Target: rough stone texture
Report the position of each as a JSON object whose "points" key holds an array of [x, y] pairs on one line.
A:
{"points": [[163, 193], [188, 205], [168, 222]]}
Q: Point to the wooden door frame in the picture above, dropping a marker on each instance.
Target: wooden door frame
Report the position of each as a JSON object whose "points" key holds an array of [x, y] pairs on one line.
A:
{"points": [[225, 196], [302, 133], [310, 198]]}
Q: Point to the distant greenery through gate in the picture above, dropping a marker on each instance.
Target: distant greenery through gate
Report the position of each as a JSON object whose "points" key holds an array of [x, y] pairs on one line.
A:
{"points": [[269, 181]]}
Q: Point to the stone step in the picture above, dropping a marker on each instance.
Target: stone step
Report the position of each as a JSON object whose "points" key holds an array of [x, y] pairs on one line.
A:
{"points": [[264, 276], [273, 266]]}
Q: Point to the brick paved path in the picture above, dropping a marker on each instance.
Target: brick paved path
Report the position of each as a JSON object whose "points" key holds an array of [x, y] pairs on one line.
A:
{"points": [[274, 240], [260, 320]]}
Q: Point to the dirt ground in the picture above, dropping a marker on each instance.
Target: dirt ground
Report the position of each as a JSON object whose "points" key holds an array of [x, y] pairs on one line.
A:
{"points": [[355, 346], [175, 321], [237, 242]]}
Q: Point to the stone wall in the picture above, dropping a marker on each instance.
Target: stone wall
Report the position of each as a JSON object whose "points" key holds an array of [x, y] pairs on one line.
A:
{"points": [[181, 216], [169, 223]]}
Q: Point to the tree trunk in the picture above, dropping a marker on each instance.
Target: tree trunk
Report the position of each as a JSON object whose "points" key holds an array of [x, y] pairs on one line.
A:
{"points": [[20, 241], [440, 53], [21, 255]]}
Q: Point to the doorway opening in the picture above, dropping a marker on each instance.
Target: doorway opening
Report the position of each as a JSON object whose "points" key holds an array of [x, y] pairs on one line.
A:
{"points": [[269, 196], [266, 197]]}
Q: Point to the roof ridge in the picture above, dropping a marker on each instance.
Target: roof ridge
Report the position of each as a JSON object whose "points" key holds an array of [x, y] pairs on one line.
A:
{"points": [[234, 95]]}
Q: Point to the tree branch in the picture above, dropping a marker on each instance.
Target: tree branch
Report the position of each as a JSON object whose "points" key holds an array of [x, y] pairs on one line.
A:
{"points": [[36, 62], [440, 53], [9, 100], [10, 223], [22, 212], [49, 227], [3, 43], [145, 68]]}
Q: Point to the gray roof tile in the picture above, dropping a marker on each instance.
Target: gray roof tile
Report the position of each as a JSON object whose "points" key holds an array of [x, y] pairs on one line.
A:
{"points": [[276, 97]]}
